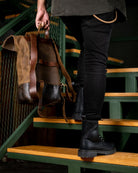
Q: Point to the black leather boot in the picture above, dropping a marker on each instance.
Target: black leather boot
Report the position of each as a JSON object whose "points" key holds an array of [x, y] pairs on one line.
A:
{"points": [[92, 144], [24, 94], [51, 94], [78, 112]]}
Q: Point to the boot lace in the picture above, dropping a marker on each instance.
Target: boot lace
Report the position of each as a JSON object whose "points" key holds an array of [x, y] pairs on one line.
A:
{"points": [[101, 138]]}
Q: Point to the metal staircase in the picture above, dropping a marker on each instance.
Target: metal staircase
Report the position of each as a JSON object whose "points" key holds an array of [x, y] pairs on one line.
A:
{"points": [[16, 119]]}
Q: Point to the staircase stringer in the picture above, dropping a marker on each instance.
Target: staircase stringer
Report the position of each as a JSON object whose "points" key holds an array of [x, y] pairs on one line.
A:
{"points": [[17, 133]]}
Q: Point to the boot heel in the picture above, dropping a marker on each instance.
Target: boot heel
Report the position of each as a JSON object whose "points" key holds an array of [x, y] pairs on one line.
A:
{"points": [[86, 153]]}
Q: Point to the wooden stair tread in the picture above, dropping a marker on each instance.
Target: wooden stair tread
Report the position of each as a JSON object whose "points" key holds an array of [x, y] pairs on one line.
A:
{"points": [[55, 120], [24, 5], [117, 70], [118, 158], [115, 122], [73, 51], [109, 58], [126, 94], [115, 60], [70, 37], [114, 94], [122, 70], [11, 16]]}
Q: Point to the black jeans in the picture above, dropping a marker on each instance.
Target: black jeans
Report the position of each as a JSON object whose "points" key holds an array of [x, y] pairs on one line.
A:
{"points": [[94, 39]]}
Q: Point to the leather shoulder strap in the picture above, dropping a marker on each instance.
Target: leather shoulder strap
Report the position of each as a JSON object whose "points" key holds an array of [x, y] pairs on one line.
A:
{"points": [[33, 62], [65, 73]]}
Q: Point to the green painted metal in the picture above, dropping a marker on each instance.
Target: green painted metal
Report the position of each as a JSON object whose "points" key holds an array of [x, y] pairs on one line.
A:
{"points": [[115, 64], [16, 20], [123, 140], [24, 28], [74, 168], [134, 74], [17, 133], [131, 84], [58, 125], [110, 128], [121, 99], [130, 80], [75, 43], [81, 164], [121, 129], [115, 107], [70, 54], [115, 110], [62, 47], [62, 42]]}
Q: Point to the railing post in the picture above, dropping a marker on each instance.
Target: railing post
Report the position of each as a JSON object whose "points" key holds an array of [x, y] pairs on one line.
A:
{"points": [[62, 45], [131, 84], [115, 110]]}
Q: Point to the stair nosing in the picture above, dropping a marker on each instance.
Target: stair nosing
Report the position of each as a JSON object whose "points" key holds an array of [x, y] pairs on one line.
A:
{"points": [[121, 94], [116, 94], [108, 122], [122, 70]]}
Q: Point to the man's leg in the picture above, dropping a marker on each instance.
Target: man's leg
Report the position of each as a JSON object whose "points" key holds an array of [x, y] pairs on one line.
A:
{"points": [[96, 39]]}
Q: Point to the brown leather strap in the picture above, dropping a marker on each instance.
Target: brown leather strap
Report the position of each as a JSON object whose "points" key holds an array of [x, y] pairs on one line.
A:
{"points": [[49, 64], [63, 110], [34, 53], [65, 73]]}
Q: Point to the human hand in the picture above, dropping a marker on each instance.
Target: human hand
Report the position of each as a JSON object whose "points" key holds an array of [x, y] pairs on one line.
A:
{"points": [[42, 19]]}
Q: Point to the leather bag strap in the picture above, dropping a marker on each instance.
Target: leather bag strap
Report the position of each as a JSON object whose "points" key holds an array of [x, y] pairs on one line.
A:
{"points": [[65, 73], [34, 56], [46, 63]]}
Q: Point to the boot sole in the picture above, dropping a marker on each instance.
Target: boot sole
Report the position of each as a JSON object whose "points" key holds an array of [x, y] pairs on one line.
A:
{"points": [[93, 153]]}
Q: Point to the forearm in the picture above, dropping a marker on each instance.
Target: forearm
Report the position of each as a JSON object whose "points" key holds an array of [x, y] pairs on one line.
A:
{"points": [[41, 4]]}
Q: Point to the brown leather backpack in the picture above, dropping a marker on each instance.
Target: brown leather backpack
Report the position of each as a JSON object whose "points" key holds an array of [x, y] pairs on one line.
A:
{"points": [[38, 68]]}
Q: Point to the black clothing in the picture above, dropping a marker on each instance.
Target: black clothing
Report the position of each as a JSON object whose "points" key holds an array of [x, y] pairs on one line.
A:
{"points": [[79, 107], [87, 7], [94, 38]]}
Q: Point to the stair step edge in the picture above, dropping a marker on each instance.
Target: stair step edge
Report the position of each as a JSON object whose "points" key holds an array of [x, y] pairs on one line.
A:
{"points": [[118, 158], [113, 122]]}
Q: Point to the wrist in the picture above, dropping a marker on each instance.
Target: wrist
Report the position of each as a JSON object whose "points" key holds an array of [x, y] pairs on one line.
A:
{"points": [[41, 8], [41, 5]]}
